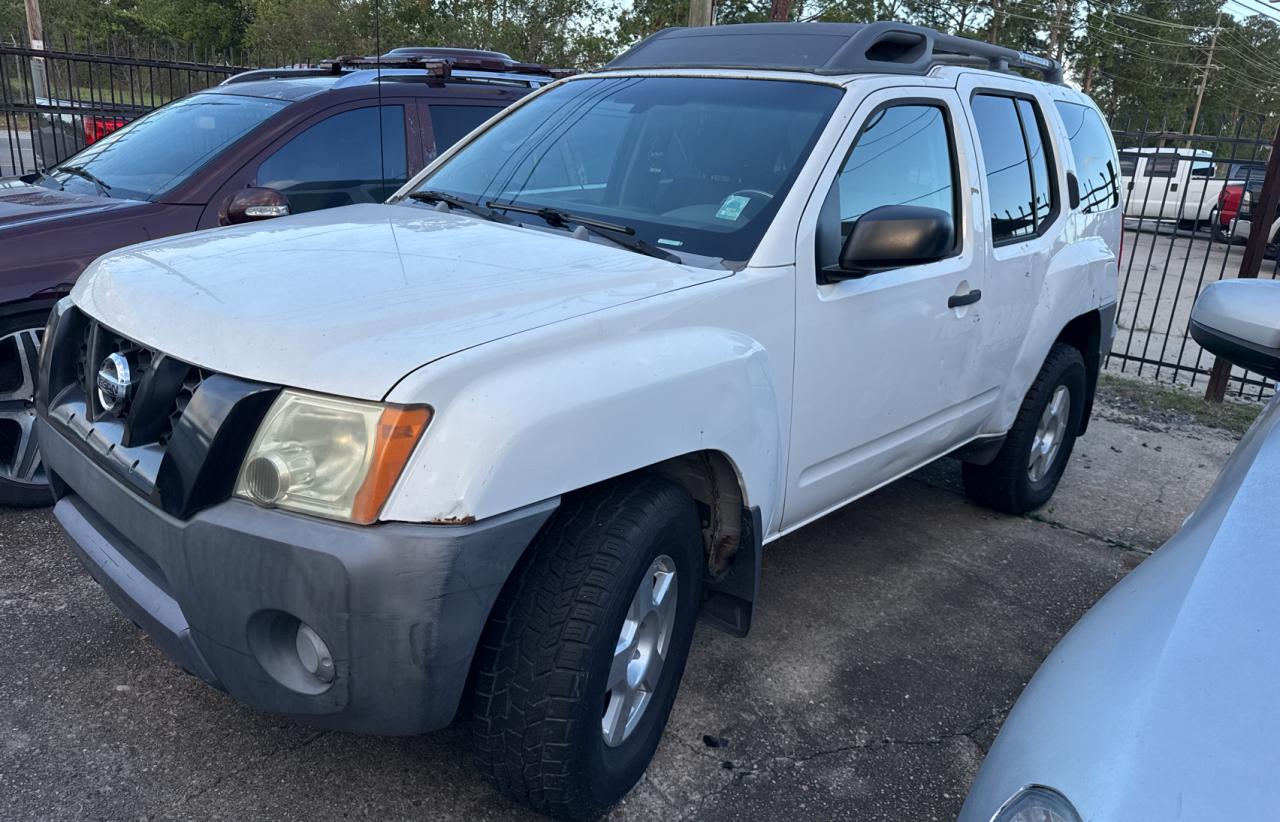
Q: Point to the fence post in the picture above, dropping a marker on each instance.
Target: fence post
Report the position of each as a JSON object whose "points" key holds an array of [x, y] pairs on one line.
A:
{"points": [[1264, 212], [35, 35]]}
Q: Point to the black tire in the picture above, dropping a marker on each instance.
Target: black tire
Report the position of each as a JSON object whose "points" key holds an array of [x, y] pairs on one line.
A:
{"points": [[1220, 234], [22, 482], [1006, 484], [542, 667]]}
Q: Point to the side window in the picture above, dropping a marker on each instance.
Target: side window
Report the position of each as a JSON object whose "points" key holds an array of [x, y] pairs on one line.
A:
{"points": [[338, 161], [904, 156], [1128, 163], [1019, 175], [1094, 156], [451, 123], [1162, 165]]}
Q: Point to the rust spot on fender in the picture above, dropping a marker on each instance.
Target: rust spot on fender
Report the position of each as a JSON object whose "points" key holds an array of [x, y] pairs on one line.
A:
{"points": [[465, 520]]}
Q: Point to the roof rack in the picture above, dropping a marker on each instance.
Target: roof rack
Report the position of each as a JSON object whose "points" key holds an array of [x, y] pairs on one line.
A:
{"points": [[437, 63], [826, 48]]}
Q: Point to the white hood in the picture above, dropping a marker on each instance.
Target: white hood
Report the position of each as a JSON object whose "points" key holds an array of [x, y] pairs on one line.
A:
{"points": [[348, 301]]}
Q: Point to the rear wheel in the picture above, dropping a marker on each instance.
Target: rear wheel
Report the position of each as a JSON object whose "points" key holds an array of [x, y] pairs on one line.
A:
{"points": [[581, 660], [1222, 232], [22, 477], [1025, 473]]}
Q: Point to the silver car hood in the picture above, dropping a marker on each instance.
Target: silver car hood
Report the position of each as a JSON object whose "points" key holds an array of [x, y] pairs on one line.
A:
{"points": [[1163, 702]]}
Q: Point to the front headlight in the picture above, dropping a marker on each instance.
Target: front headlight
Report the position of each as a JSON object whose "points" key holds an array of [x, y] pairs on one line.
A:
{"points": [[330, 457], [1037, 803]]}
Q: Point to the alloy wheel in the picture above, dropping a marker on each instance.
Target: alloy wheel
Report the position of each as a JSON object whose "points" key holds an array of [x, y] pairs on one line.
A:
{"points": [[1049, 434], [640, 652], [19, 456]]}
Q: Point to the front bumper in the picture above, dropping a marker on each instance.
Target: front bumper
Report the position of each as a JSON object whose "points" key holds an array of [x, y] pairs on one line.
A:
{"points": [[400, 606]]}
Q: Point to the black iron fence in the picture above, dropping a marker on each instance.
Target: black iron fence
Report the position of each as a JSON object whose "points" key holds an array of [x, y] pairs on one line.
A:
{"points": [[1188, 213], [55, 101]]}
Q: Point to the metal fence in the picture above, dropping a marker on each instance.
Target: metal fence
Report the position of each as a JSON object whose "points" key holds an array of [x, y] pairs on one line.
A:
{"points": [[55, 101], [1180, 236]]}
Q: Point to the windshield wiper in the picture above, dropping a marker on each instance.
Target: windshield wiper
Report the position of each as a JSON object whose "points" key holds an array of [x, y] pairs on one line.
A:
{"points": [[85, 174], [622, 235], [453, 201]]}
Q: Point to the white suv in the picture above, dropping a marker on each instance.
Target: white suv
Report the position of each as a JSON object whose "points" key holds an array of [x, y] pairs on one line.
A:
{"points": [[507, 436]]}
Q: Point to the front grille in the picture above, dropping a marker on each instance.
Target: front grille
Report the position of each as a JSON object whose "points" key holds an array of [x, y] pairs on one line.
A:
{"points": [[162, 387]]}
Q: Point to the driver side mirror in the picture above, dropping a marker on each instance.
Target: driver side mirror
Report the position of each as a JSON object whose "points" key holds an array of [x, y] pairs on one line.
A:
{"points": [[893, 236], [1239, 321], [251, 204]]}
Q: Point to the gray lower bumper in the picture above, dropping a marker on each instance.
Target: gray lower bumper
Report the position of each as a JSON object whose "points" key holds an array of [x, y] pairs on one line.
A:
{"points": [[400, 606]]}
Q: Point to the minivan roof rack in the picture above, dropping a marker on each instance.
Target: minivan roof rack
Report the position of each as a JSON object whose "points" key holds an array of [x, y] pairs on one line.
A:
{"points": [[825, 48]]}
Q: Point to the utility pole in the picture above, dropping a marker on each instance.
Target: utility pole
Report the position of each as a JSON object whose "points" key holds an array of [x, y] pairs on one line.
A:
{"points": [[780, 11], [35, 35], [1259, 236], [699, 13], [1204, 79]]}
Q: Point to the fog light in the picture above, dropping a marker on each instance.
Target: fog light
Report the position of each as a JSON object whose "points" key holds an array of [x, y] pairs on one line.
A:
{"points": [[314, 654], [272, 475]]}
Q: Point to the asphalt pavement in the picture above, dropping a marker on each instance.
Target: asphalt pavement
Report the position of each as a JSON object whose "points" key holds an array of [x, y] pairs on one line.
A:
{"points": [[892, 638]]}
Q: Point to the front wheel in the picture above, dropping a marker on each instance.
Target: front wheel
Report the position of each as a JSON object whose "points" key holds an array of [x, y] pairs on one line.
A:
{"points": [[1025, 473], [580, 662], [22, 477]]}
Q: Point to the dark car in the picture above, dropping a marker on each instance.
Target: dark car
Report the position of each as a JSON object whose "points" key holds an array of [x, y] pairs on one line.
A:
{"points": [[263, 144]]}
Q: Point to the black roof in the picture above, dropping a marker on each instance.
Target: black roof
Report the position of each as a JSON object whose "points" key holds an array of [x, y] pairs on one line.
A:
{"points": [[825, 48]]}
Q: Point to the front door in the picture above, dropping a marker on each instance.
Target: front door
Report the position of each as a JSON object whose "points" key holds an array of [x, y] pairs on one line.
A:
{"points": [[886, 364]]}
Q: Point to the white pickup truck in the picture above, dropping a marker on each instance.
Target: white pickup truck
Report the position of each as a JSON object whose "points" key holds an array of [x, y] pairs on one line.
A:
{"points": [[1170, 184], [509, 435]]}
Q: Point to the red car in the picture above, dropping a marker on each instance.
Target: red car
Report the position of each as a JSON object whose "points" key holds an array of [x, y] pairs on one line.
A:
{"points": [[264, 143], [1244, 183]]}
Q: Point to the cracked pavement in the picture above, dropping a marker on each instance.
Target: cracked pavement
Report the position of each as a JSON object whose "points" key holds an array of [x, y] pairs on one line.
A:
{"points": [[892, 638]]}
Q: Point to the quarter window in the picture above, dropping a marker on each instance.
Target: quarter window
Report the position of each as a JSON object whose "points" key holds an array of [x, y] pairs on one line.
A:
{"points": [[1094, 156], [1019, 176], [338, 161], [904, 156]]}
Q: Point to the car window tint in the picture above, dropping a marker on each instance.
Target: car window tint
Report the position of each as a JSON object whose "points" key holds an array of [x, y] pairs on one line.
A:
{"points": [[1042, 188], [1161, 165], [1094, 156], [903, 156], [1128, 164], [451, 123], [337, 161], [1008, 172]]}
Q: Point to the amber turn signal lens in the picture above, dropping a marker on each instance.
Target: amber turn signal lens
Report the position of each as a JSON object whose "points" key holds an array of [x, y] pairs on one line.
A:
{"points": [[398, 432]]}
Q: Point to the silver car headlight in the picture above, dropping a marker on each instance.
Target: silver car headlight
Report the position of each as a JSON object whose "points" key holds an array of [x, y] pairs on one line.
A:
{"points": [[328, 456], [1036, 803]]}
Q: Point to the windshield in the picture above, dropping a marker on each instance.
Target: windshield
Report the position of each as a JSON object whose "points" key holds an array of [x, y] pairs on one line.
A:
{"points": [[161, 150], [695, 166]]}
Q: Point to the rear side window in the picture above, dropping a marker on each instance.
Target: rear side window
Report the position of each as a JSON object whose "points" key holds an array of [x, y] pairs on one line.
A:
{"points": [[1162, 165], [337, 161], [1128, 164], [1019, 175], [1094, 156], [451, 123]]}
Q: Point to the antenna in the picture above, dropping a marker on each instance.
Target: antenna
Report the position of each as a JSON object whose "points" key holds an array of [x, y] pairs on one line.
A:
{"points": [[377, 45]]}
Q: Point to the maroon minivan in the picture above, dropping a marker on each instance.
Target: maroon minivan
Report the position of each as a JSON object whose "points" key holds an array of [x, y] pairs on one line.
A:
{"points": [[263, 144]]}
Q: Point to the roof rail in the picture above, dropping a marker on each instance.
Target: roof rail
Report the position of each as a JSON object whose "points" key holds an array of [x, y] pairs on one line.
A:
{"points": [[438, 63], [885, 47]]}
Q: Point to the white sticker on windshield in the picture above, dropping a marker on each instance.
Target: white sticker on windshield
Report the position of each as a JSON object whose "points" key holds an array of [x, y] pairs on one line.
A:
{"points": [[672, 243], [732, 207]]}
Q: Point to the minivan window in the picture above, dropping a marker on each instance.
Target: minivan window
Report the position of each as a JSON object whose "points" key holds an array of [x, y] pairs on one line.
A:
{"points": [[1094, 156], [694, 166], [903, 156], [337, 162], [1017, 208], [450, 124], [161, 150]]}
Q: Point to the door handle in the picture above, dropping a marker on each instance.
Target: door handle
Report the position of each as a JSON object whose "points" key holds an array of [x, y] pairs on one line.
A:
{"points": [[957, 300], [1175, 186]]}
